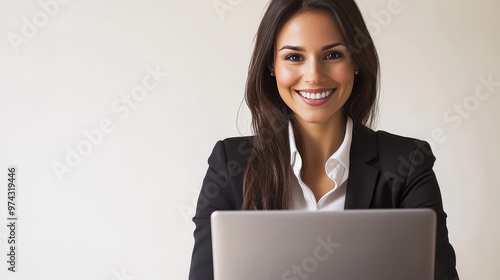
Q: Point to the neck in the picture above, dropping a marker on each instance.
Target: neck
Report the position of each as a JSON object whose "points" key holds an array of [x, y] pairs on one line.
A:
{"points": [[321, 140]]}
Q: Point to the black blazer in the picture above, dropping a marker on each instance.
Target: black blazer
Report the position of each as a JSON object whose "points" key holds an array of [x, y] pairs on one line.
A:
{"points": [[386, 171]]}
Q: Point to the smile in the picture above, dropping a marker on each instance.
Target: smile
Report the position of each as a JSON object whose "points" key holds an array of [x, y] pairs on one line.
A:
{"points": [[315, 95]]}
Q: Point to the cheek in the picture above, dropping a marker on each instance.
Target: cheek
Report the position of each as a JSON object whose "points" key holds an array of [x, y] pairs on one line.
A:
{"points": [[286, 77], [343, 74]]}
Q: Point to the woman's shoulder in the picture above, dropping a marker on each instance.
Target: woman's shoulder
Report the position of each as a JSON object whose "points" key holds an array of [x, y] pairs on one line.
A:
{"points": [[238, 141], [390, 144], [233, 149], [384, 137]]}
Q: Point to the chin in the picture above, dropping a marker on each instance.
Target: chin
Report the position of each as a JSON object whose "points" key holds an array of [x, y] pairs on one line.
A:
{"points": [[314, 118]]}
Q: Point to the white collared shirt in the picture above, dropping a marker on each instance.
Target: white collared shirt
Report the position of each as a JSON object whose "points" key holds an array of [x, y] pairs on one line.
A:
{"points": [[336, 168]]}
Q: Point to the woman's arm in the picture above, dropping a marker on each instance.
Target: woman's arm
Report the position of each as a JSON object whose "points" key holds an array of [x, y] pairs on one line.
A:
{"points": [[421, 190], [214, 195]]}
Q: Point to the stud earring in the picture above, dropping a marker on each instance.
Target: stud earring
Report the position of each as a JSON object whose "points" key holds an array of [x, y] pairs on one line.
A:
{"points": [[273, 74], [356, 72]]}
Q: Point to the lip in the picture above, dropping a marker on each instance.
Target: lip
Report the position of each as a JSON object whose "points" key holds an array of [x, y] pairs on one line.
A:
{"points": [[319, 90], [316, 102]]}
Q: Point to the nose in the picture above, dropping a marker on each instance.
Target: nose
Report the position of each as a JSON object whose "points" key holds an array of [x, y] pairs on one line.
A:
{"points": [[314, 72]]}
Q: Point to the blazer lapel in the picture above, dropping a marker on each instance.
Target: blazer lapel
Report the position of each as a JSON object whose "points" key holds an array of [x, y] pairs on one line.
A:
{"points": [[362, 176]]}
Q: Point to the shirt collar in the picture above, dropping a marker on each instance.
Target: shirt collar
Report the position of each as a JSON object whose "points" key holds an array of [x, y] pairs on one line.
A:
{"points": [[341, 155]]}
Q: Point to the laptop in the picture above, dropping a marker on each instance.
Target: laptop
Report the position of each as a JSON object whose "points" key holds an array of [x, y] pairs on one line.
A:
{"points": [[346, 245]]}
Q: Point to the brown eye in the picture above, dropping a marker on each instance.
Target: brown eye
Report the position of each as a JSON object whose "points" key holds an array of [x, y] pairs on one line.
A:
{"points": [[293, 57], [333, 55]]}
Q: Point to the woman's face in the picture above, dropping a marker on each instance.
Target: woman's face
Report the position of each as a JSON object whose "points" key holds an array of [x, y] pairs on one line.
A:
{"points": [[313, 67]]}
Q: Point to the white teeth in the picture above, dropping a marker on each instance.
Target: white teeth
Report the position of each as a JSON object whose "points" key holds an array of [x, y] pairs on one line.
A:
{"points": [[315, 95]]}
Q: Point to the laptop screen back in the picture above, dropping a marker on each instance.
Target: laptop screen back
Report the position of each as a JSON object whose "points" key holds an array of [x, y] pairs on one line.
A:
{"points": [[352, 244]]}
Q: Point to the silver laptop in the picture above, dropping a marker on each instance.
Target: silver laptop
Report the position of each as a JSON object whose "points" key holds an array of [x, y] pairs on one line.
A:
{"points": [[353, 244]]}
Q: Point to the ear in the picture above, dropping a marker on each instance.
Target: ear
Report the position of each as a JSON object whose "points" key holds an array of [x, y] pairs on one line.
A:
{"points": [[270, 66]]}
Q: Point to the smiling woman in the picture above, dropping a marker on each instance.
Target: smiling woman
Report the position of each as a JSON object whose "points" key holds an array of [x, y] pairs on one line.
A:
{"points": [[312, 90], [314, 76], [315, 73]]}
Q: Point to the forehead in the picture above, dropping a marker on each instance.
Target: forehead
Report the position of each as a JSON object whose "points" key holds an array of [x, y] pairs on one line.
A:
{"points": [[310, 29]]}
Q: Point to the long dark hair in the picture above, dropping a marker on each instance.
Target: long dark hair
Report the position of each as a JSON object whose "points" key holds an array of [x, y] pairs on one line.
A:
{"points": [[266, 183]]}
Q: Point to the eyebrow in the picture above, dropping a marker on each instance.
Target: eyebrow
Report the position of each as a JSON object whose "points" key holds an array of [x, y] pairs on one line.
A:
{"points": [[301, 49]]}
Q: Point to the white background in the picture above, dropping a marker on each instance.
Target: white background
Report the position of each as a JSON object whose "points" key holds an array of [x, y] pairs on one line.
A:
{"points": [[124, 210]]}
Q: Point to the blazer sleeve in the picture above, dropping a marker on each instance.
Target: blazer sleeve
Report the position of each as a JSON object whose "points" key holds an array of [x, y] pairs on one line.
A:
{"points": [[422, 191], [213, 196]]}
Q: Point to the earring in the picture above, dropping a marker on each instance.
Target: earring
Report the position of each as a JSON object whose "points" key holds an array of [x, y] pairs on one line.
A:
{"points": [[356, 72], [273, 74]]}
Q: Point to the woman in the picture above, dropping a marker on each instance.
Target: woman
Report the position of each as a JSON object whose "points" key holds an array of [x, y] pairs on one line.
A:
{"points": [[311, 88]]}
